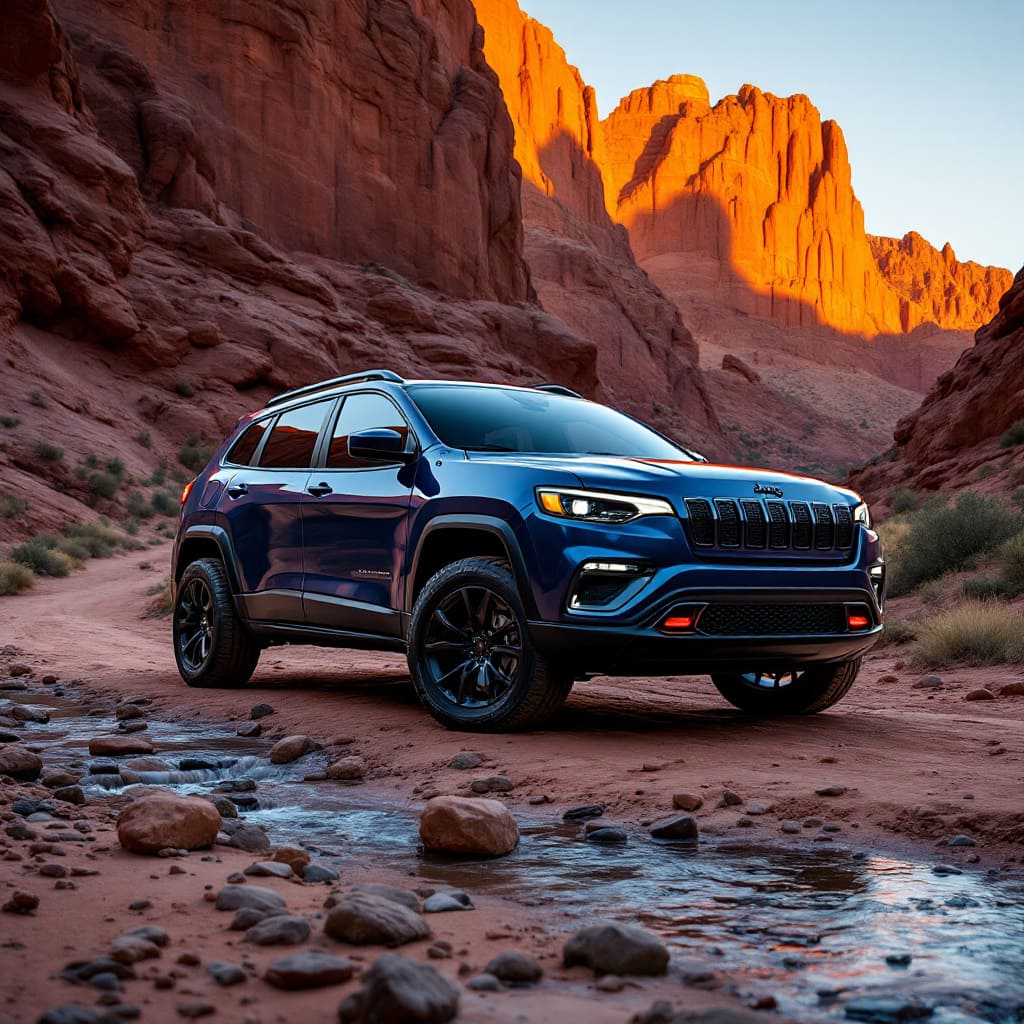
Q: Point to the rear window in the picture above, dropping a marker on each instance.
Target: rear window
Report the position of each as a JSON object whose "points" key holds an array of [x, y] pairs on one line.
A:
{"points": [[243, 450], [293, 440]]}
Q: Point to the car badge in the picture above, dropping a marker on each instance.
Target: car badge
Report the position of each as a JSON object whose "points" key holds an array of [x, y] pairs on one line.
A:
{"points": [[768, 489]]}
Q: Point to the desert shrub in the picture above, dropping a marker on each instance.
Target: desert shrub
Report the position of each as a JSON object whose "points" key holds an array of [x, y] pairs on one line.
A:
{"points": [[10, 422], [103, 485], [76, 551], [144, 438], [183, 387], [903, 500], [899, 631], [164, 503], [193, 456], [975, 633], [11, 506], [47, 452], [941, 538], [160, 594], [14, 578], [92, 461], [1011, 564], [984, 588], [38, 399], [137, 507], [1013, 436], [41, 555], [115, 467], [934, 590], [99, 538]]}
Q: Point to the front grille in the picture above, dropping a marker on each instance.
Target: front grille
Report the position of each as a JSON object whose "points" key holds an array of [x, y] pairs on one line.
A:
{"points": [[754, 524], [771, 619]]}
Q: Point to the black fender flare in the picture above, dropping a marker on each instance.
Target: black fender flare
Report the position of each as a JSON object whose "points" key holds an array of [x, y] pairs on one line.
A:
{"points": [[220, 537]]}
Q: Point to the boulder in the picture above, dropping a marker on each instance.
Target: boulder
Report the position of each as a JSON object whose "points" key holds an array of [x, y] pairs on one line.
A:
{"points": [[614, 948], [115, 746], [156, 822], [396, 990], [291, 748], [471, 825], [363, 919], [312, 968], [20, 763]]}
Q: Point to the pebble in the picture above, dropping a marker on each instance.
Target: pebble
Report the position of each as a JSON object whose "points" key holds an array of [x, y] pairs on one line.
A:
{"points": [[116, 746], [961, 841], [756, 808], [677, 826], [269, 868], [610, 983], [362, 918], [251, 838], [831, 791], [291, 748], [583, 811], [312, 968], [249, 729], [319, 873], [515, 967], [393, 893], [70, 1013], [946, 869], [396, 989], [730, 799], [813, 823], [70, 795], [744, 822], [484, 983], [467, 759], [348, 769], [608, 836], [235, 897], [191, 1009], [1012, 689], [280, 930], [21, 902], [260, 711], [928, 683], [980, 694], [899, 959], [445, 902], [27, 713], [615, 948], [687, 801], [790, 827], [831, 827], [886, 1009], [20, 763], [495, 784], [127, 711], [224, 972]]}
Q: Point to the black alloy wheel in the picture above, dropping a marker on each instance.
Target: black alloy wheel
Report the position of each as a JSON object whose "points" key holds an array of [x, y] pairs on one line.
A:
{"points": [[212, 647], [472, 661], [792, 691]]}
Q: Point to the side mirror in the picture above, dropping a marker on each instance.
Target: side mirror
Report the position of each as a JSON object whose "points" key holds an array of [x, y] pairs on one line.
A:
{"points": [[381, 445]]}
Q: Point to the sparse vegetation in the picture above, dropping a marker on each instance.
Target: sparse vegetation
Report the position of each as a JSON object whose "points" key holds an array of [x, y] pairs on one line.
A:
{"points": [[976, 633], [10, 422], [903, 500], [41, 555], [143, 437], [1013, 436], [15, 578], [37, 399], [160, 593], [193, 456], [137, 506], [103, 485], [99, 537], [984, 588], [899, 631], [47, 452], [1011, 564], [11, 506], [183, 387], [940, 538], [164, 503]]}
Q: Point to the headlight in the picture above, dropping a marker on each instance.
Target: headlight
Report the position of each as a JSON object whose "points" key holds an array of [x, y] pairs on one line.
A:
{"points": [[861, 515], [597, 507]]}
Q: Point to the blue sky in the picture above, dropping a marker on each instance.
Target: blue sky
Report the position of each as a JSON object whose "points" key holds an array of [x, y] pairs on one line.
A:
{"points": [[928, 94]]}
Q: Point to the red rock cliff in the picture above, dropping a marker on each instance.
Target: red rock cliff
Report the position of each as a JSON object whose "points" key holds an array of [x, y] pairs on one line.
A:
{"points": [[761, 185], [361, 131]]}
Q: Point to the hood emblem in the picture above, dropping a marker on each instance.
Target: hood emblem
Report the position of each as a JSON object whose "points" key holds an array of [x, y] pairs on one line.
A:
{"points": [[768, 489]]}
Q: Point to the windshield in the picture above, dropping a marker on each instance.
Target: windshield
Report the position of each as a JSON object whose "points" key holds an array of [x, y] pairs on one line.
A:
{"points": [[512, 420]]}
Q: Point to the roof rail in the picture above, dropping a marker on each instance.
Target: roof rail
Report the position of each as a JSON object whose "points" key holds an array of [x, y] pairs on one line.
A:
{"points": [[348, 378], [556, 389]]}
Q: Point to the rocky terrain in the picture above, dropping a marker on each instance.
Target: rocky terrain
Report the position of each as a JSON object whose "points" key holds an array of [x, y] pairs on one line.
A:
{"points": [[118, 893]]}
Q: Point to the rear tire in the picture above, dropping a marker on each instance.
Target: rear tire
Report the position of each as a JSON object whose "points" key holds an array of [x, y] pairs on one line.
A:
{"points": [[470, 654], [212, 647], [799, 692]]}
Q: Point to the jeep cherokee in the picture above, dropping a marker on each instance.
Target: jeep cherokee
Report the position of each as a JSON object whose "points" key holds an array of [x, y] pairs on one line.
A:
{"points": [[511, 540]]}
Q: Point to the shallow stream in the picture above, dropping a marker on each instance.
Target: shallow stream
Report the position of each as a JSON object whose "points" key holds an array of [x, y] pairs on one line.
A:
{"points": [[810, 924]]}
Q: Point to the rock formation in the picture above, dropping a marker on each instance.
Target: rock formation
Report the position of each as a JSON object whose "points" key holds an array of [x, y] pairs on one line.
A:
{"points": [[751, 201]]}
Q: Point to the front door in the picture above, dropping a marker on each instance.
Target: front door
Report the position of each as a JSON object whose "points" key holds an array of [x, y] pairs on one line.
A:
{"points": [[355, 517]]}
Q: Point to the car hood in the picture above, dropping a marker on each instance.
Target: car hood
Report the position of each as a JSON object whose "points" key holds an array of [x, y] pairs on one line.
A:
{"points": [[675, 480]]}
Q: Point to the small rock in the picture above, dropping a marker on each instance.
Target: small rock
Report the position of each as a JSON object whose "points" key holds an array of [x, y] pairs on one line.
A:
{"points": [[465, 760], [678, 826], [234, 897], [225, 808], [197, 764], [610, 983], [349, 769], [246, 917], [116, 746], [790, 827], [280, 930], [961, 841], [70, 795], [886, 1009], [1012, 690], [192, 1009], [899, 959], [946, 869], [362, 918], [249, 729], [614, 948], [468, 825], [515, 967], [687, 801], [608, 836], [443, 902], [27, 713], [295, 857], [730, 798], [124, 712], [756, 808], [396, 990], [831, 791], [251, 838], [928, 683], [20, 763], [583, 811], [813, 823], [391, 892], [484, 983], [980, 694], [260, 711], [291, 748], [70, 1013], [269, 868], [312, 968], [155, 822], [319, 873], [21, 902], [224, 972]]}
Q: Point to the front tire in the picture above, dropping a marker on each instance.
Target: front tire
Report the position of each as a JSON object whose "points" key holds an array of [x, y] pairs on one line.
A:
{"points": [[212, 647], [471, 658], [798, 692]]}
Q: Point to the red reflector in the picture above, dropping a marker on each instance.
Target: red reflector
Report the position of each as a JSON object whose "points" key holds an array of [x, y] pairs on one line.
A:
{"points": [[857, 621], [186, 491], [678, 622]]}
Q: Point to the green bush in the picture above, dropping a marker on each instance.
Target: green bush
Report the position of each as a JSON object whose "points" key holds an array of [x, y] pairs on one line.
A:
{"points": [[47, 452], [903, 500], [194, 457], [14, 578], [38, 400], [183, 387], [899, 631], [1011, 564], [1013, 436], [984, 588], [143, 437], [40, 554], [103, 485], [10, 422], [11, 507], [164, 504], [136, 506], [115, 467], [99, 538], [975, 633], [942, 538]]}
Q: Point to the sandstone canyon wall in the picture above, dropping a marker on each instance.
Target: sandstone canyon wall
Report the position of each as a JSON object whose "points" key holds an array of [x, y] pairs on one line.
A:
{"points": [[751, 200]]}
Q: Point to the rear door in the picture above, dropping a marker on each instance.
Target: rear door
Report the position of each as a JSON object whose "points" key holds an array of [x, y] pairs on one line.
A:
{"points": [[355, 520], [262, 505]]}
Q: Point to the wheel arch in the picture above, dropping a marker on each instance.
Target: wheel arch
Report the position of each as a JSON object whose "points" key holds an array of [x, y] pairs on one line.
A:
{"points": [[207, 542], [449, 538]]}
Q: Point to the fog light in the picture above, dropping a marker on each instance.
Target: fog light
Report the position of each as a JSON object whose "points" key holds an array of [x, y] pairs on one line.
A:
{"points": [[682, 619], [857, 621], [679, 622]]}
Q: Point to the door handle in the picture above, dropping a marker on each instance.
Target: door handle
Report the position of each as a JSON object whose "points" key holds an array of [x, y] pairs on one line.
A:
{"points": [[237, 490], [320, 489]]}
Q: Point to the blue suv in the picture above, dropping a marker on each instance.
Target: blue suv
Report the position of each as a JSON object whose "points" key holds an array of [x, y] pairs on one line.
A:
{"points": [[511, 540]]}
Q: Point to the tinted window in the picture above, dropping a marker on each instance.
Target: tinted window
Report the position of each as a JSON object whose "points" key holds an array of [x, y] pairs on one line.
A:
{"points": [[363, 412], [508, 419], [245, 447], [291, 442]]}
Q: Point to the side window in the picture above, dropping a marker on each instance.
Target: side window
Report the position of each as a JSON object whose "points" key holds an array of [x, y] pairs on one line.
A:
{"points": [[245, 447], [293, 439], [366, 411]]}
